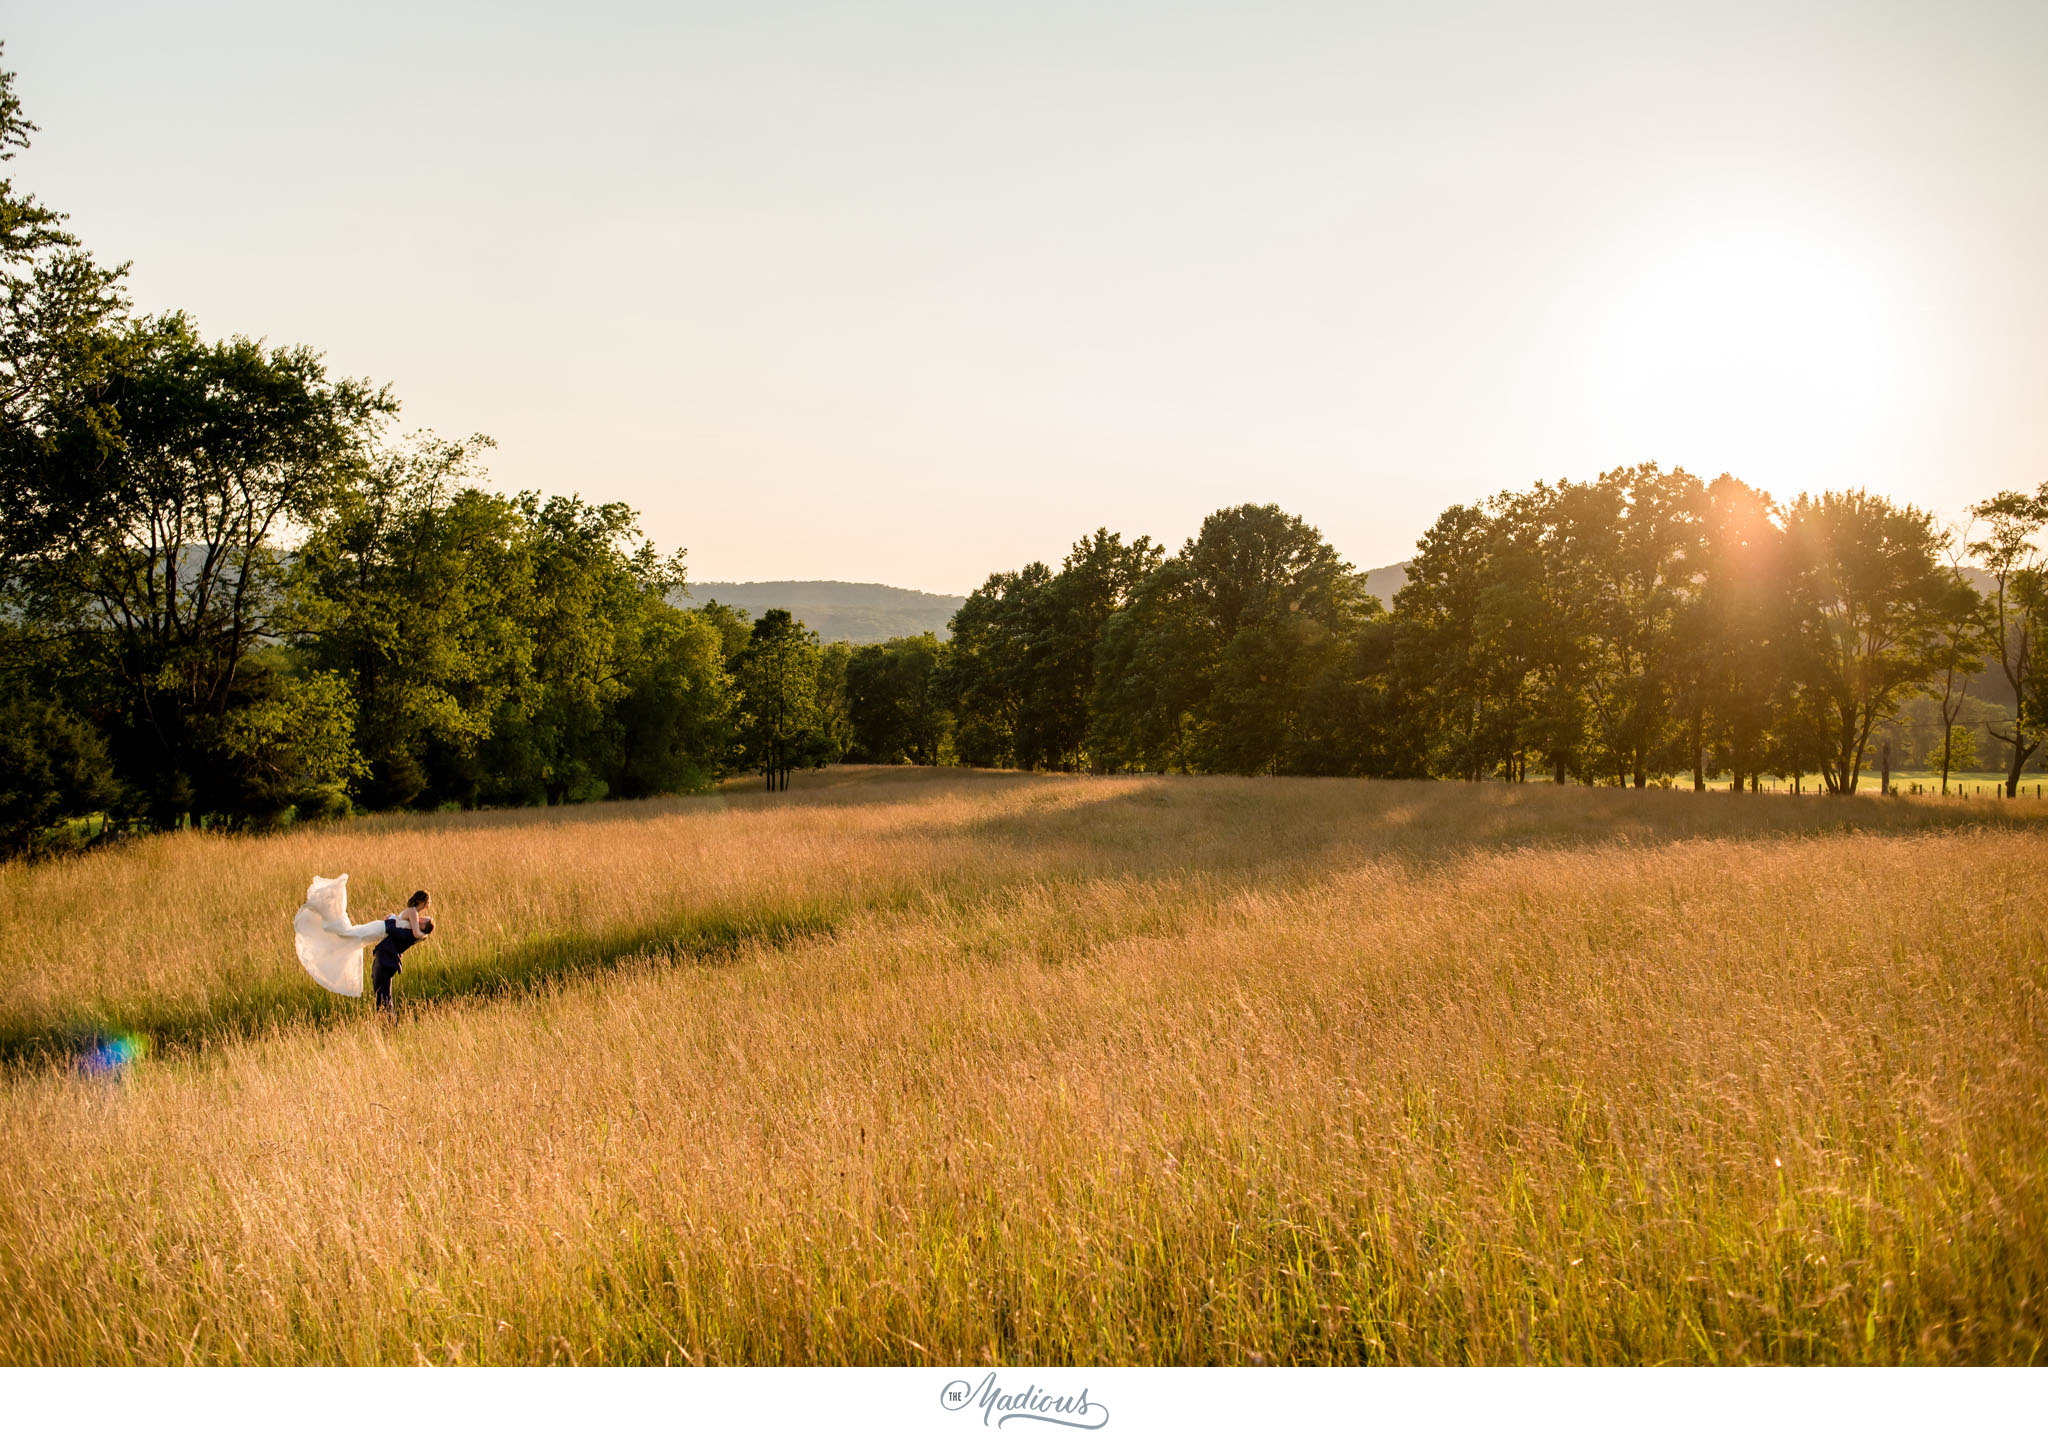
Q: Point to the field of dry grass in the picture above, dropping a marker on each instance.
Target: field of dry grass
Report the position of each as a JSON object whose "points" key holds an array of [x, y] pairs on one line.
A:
{"points": [[956, 1068]]}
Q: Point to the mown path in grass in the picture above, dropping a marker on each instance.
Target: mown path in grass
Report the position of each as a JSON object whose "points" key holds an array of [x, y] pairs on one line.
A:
{"points": [[163, 1030], [177, 942]]}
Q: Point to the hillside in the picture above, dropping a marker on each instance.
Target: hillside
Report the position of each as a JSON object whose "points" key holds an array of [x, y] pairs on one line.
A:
{"points": [[836, 611], [1383, 582]]}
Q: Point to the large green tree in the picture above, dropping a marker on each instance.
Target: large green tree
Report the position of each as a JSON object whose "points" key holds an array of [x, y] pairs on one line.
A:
{"points": [[1443, 651], [1228, 655], [414, 588], [507, 650], [1021, 664], [1733, 636], [781, 727], [896, 701], [671, 727], [59, 343], [2016, 617], [990, 670], [1065, 622], [1958, 657], [1870, 600], [167, 562], [1635, 536], [55, 769]]}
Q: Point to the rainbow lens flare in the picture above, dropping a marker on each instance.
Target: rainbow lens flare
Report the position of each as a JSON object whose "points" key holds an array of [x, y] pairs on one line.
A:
{"points": [[111, 1053]]}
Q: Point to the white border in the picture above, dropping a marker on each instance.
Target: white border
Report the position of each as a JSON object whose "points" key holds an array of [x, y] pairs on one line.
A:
{"points": [[1137, 1399]]}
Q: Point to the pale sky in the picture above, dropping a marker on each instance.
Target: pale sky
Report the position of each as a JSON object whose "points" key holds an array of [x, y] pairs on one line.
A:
{"points": [[909, 293]]}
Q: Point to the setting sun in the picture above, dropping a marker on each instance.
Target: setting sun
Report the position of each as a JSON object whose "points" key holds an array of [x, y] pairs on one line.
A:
{"points": [[1756, 350]]}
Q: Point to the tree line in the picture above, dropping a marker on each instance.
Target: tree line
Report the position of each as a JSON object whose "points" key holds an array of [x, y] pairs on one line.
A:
{"points": [[234, 593], [1617, 630]]}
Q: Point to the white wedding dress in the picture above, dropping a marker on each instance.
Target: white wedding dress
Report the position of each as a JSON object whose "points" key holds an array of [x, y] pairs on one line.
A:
{"points": [[330, 947]]}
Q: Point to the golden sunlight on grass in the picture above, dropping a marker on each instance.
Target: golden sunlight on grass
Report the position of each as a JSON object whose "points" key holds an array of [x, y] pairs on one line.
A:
{"points": [[1045, 1070]]}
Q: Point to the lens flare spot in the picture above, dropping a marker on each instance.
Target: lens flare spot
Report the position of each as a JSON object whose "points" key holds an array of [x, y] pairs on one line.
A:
{"points": [[112, 1053]]}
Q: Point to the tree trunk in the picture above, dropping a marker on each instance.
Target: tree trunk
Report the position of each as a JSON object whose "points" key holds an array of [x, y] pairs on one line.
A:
{"points": [[1948, 735]]}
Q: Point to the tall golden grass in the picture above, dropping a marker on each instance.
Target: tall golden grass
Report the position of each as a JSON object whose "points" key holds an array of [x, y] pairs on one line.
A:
{"points": [[957, 1069]]}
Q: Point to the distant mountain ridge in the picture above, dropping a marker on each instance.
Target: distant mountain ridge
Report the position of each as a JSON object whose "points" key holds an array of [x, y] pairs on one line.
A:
{"points": [[1383, 582], [836, 611]]}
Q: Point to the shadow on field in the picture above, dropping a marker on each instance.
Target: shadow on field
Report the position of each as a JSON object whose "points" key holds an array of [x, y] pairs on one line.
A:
{"points": [[1217, 824], [110, 1037], [832, 786]]}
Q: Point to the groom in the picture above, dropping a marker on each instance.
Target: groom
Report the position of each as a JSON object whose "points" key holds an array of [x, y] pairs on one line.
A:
{"points": [[401, 932]]}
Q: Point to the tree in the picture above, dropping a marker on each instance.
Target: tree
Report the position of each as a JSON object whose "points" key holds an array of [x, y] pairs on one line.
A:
{"points": [[1958, 751], [1217, 662], [1871, 598], [58, 340], [53, 768], [1635, 538], [2017, 615], [414, 588], [780, 725], [507, 650], [989, 672], [1732, 635], [1442, 660], [1147, 690], [288, 741], [1959, 655], [734, 627], [835, 721], [1531, 635], [593, 579], [896, 701], [261, 604], [672, 723], [1065, 621], [165, 560], [1021, 665]]}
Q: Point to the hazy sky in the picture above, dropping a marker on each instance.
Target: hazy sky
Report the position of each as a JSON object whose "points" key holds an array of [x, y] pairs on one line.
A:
{"points": [[907, 293]]}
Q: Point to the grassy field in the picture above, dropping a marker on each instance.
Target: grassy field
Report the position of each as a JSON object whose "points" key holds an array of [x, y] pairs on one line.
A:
{"points": [[1971, 785], [955, 1068], [1962, 785]]}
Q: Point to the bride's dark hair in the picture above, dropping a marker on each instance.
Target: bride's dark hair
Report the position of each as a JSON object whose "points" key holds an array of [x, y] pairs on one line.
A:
{"points": [[419, 898]]}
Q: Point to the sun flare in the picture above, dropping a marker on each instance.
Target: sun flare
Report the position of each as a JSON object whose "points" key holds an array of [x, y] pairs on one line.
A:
{"points": [[1754, 350]]}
